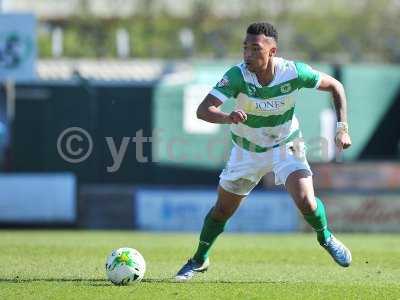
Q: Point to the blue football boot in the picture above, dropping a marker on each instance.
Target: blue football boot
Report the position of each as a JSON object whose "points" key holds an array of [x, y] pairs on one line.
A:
{"points": [[340, 254], [190, 269]]}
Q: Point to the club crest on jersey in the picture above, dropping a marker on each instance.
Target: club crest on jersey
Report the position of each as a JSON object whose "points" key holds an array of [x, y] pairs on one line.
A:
{"points": [[252, 90], [223, 82], [286, 88]]}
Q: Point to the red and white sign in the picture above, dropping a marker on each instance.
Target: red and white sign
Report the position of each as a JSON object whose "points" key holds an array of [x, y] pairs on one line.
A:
{"points": [[352, 212]]}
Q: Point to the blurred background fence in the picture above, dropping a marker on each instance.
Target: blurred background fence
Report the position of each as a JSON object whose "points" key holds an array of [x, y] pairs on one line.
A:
{"points": [[121, 70]]}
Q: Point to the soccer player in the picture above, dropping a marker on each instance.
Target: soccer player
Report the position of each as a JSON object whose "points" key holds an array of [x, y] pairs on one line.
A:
{"points": [[265, 135]]}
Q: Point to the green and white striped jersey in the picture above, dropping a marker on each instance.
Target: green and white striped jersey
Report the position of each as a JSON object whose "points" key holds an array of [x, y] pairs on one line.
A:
{"points": [[270, 109]]}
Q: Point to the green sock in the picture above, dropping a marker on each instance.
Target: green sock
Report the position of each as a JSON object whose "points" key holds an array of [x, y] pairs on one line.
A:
{"points": [[209, 233], [319, 222]]}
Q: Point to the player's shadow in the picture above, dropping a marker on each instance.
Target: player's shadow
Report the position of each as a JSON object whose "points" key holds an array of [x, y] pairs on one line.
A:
{"points": [[104, 282], [85, 281]]}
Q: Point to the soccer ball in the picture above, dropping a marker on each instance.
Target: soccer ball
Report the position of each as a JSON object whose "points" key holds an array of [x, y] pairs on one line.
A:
{"points": [[124, 266]]}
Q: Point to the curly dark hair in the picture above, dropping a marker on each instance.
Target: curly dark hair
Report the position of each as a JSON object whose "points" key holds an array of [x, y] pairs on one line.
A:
{"points": [[263, 28]]}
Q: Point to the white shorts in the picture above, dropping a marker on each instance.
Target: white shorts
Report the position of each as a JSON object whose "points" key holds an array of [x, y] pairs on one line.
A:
{"points": [[244, 169]]}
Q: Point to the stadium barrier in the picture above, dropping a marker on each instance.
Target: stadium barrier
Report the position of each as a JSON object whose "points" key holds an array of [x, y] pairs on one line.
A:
{"points": [[157, 208], [50, 200], [38, 200], [363, 196], [372, 211], [176, 209], [105, 207]]}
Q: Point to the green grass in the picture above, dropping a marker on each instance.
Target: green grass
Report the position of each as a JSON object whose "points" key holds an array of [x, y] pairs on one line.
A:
{"points": [[70, 265]]}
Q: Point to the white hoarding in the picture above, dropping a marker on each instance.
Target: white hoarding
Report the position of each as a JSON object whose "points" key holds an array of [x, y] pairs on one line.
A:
{"points": [[37, 198], [184, 210]]}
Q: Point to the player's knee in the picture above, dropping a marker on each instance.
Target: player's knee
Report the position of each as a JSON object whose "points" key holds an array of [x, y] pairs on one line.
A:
{"points": [[306, 203]]}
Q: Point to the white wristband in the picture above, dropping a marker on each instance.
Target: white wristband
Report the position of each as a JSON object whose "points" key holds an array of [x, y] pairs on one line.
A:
{"points": [[342, 126]]}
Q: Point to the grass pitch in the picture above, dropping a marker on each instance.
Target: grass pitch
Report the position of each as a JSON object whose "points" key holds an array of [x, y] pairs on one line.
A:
{"points": [[70, 265]]}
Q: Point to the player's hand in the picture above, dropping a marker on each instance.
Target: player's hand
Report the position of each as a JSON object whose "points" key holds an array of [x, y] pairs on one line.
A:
{"points": [[238, 116], [342, 140]]}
